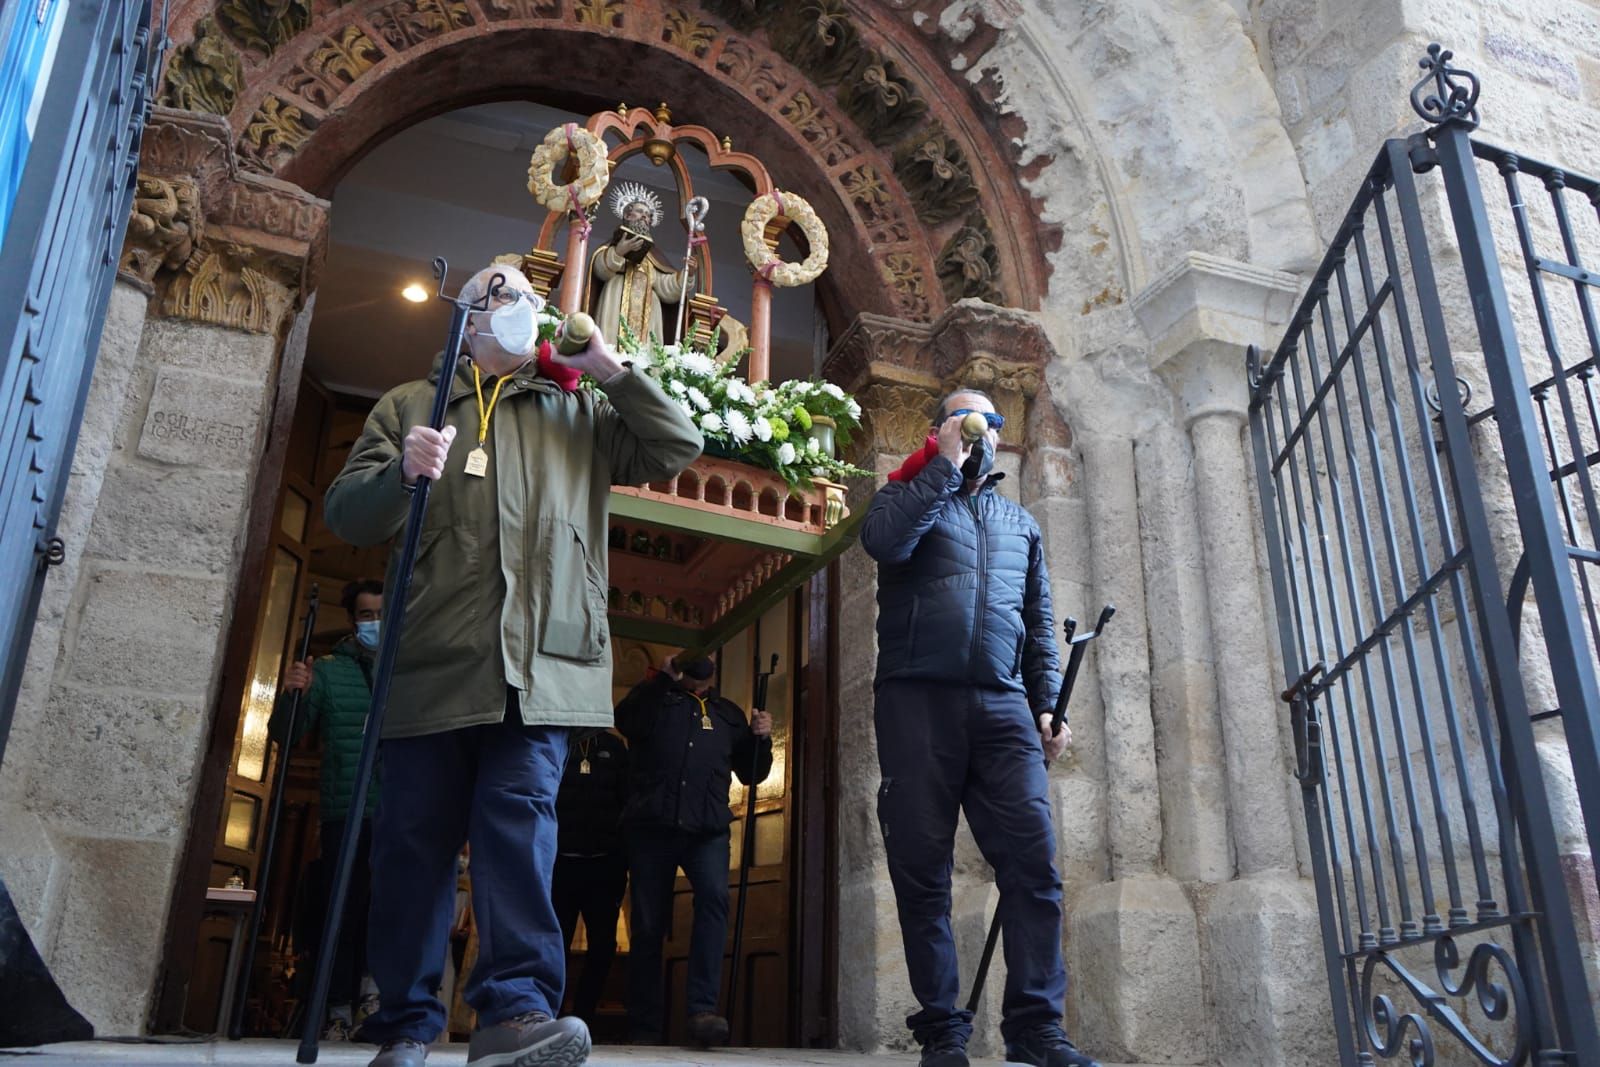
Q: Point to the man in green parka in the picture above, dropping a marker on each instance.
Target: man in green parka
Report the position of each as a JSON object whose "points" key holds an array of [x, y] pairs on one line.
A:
{"points": [[505, 651], [338, 692]]}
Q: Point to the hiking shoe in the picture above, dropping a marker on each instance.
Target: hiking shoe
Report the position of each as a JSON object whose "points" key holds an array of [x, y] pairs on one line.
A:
{"points": [[945, 1050], [531, 1039], [1046, 1046], [707, 1029], [401, 1052]]}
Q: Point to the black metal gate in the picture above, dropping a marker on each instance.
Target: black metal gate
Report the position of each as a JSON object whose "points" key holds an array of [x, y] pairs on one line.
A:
{"points": [[60, 255], [1420, 690]]}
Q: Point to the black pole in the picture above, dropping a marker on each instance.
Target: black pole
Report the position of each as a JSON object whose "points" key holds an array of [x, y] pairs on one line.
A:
{"points": [[747, 844], [280, 775], [388, 648], [1077, 646]]}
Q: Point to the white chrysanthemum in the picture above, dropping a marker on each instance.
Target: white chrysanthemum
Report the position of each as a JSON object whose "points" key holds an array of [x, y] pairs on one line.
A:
{"points": [[739, 427], [695, 363], [741, 392], [711, 422], [853, 408], [698, 398], [677, 387], [765, 396], [812, 447], [762, 429], [833, 390], [687, 408], [786, 454]]}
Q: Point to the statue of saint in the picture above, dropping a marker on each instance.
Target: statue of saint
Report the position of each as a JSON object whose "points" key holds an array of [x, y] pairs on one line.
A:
{"points": [[634, 281]]}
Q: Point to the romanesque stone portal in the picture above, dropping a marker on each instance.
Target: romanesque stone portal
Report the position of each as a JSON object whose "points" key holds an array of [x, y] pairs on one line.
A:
{"points": [[1085, 209]]}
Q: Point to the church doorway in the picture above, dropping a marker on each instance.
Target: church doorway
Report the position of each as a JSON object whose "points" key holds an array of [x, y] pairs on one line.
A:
{"points": [[455, 185]]}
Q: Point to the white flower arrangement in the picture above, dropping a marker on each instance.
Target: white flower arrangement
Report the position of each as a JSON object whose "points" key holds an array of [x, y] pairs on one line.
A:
{"points": [[765, 425]]}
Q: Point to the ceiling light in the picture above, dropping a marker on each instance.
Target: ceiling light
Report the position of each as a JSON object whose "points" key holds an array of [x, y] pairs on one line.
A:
{"points": [[414, 293]]}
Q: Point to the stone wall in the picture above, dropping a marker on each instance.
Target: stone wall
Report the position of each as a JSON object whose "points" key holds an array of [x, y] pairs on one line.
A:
{"points": [[100, 777]]}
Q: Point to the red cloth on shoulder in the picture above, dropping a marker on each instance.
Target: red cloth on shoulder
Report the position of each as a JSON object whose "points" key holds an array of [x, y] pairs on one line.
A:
{"points": [[917, 460], [562, 375]]}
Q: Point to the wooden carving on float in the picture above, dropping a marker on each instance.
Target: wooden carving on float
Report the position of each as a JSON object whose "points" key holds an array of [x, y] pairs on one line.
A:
{"points": [[652, 133]]}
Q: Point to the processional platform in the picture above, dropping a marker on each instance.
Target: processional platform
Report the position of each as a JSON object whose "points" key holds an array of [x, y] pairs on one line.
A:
{"points": [[697, 558]]}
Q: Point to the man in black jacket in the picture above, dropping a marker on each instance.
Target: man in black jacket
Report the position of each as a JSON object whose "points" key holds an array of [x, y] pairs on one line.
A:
{"points": [[591, 864], [684, 739], [967, 679]]}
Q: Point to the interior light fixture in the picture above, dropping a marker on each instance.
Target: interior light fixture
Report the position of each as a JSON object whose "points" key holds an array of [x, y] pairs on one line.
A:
{"points": [[414, 293]]}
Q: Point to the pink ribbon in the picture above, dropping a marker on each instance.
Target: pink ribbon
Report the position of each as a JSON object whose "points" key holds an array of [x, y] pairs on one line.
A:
{"points": [[582, 222]]}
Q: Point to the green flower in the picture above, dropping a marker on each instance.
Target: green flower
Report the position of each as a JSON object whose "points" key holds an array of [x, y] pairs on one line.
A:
{"points": [[780, 429], [802, 416]]}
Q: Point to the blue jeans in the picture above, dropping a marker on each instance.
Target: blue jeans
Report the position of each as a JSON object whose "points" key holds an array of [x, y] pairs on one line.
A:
{"points": [[943, 749], [495, 788], [654, 855]]}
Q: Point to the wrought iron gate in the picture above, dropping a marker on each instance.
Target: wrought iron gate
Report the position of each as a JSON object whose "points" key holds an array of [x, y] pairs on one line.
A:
{"points": [[1432, 715], [62, 242]]}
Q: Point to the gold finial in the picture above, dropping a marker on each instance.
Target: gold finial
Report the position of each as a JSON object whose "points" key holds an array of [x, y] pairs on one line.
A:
{"points": [[622, 109], [727, 143], [663, 114]]}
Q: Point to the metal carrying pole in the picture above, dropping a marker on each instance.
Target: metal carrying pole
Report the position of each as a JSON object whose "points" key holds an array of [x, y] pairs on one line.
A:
{"points": [[747, 839], [280, 775], [388, 649], [1077, 646]]}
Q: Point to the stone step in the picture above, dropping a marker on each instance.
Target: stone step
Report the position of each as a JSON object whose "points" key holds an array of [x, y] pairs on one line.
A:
{"points": [[259, 1053]]}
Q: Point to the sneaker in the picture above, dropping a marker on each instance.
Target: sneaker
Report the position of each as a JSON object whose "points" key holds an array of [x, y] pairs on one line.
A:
{"points": [[401, 1052], [945, 1050], [707, 1029], [1046, 1046], [531, 1039]]}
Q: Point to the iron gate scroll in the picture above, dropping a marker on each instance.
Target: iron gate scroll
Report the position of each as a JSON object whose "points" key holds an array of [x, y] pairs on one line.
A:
{"points": [[1392, 515]]}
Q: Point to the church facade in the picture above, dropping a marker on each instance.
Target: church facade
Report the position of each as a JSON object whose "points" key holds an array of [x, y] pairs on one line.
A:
{"points": [[1085, 209]]}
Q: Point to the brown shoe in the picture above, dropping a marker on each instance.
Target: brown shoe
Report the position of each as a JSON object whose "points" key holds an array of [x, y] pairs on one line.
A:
{"points": [[707, 1029]]}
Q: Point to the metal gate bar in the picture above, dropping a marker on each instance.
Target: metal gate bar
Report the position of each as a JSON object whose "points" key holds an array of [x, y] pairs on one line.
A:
{"points": [[1401, 726]]}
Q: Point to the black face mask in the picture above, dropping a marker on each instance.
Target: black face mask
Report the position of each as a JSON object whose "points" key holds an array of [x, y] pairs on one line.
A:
{"points": [[980, 462]]}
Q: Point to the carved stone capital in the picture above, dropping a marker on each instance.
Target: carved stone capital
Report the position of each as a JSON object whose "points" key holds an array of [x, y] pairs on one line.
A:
{"points": [[219, 244], [1200, 316], [163, 229], [899, 370]]}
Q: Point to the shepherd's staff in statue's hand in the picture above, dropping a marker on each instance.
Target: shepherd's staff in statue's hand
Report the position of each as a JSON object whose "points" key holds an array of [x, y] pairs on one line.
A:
{"points": [[694, 216], [423, 455], [280, 777], [1076, 646]]}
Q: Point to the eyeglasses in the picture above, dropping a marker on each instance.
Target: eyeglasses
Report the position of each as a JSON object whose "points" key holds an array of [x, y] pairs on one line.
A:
{"points": [[507, 295], [993, 418]]}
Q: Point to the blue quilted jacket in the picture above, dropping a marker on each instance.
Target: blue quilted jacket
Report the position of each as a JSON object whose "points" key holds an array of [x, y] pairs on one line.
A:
{"points": [[963, 592]]}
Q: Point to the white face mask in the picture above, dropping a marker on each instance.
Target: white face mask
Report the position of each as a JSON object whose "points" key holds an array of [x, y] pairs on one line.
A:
{"points": [[515, 327]]}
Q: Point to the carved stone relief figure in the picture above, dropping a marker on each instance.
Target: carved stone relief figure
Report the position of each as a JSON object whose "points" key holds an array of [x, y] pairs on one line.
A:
{"points": [[165, 225], [205, 74]]}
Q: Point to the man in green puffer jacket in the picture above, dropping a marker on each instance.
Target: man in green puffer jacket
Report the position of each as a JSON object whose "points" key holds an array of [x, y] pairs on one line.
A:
{"points": [[338, 691]]}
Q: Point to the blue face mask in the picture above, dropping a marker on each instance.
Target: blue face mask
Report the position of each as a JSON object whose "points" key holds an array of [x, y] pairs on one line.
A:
{"points": [[367, 633]]}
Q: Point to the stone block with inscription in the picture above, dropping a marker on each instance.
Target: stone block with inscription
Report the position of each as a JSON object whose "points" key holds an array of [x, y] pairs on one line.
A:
{"points": [[199, 419]]}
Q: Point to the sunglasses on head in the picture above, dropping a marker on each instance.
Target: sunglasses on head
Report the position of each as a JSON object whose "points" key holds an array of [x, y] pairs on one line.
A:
{"points": [[993, 418]]}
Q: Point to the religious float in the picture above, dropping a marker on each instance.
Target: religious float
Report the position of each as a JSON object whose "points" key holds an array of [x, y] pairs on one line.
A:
{"points": [[697, 558]]}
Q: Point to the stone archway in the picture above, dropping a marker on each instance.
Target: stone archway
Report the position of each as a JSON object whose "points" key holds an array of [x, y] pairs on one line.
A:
{"points": [[853, 109]]}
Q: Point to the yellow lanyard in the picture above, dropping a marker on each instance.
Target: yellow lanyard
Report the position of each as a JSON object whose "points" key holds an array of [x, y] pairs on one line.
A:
{"points": [[485, 413]]}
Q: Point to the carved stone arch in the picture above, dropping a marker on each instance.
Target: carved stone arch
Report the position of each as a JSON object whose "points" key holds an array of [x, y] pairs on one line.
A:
{"points": [[909, 174]]}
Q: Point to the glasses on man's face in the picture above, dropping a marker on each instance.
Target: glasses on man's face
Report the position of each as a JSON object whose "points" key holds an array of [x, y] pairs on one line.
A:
{"points": [[507, 295], [993, 418]]}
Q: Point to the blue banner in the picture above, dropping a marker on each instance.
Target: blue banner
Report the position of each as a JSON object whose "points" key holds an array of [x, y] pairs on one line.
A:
{"points": [[29, 31]]}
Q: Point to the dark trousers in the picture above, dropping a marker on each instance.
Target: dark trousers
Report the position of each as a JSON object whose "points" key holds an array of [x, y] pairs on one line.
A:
{"points": [[654, 856], [350, 955], [943, 749], [591, 886], [493, 787]]}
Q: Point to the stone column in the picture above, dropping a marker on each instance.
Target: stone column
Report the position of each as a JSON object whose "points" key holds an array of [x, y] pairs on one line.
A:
{"points": [[1270, 1007], [124, 669]]}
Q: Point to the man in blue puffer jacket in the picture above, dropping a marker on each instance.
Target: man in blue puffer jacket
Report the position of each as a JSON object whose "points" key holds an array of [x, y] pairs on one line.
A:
{"points": [[968, 673]]}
